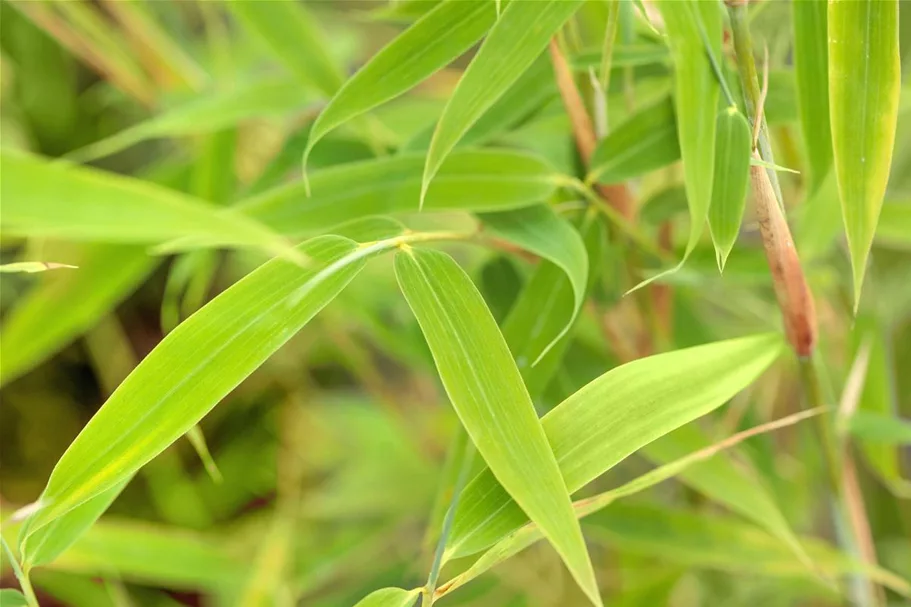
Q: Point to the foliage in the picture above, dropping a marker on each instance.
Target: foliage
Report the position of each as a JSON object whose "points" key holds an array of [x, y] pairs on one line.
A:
{"points": [[427, 286]]}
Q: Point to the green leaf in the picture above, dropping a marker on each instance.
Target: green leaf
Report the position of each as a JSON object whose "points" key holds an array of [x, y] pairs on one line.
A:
{"points": [[204, 114], [623, 55], [47, 543], [32, 267], [614, 416], [715, 542], [471, 180], [486, 390], [153, 554], [646, 141], [521, 33], [517, 541], [294, 38], [56, 200], [725, 482], [12, 598], [733, 148], [811, 64], [878, 407], [432, 43], [543, 303], [864, 86], [540, 230], [66, 304], [193, 368], [389, 597], [695, 99]]}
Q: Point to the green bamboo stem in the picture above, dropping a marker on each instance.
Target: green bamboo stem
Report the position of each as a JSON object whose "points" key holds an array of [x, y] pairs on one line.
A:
{"points": [[749, 79]]}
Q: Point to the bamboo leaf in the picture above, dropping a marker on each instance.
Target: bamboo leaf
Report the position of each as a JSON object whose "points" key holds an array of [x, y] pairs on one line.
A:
{"points": [[540, 230], [614, 416], [520, 35], [864, 86], [542, 304], [646, 141], [32, 267], [55, 200], [877, 429], [487, 392], [204, 114], [729, 189], [471, 180], [66, 304], [433, 42], [12, 598], [695, 100], [517, 541], [294, 38], [389, 597], [192, 369], [811, 64]]}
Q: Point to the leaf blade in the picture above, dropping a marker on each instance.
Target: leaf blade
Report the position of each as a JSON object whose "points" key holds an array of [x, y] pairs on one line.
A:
{"points": [[486, 390], [732, 173]]}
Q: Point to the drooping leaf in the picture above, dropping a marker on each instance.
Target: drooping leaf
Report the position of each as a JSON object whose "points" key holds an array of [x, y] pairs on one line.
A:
{"points": [[540, 230], [389, 597], [729, 189], [206, 113], [470, 180], [695, 100], [811, 65], [646, 141], [192, 369], [55, 200], [527, 535], [66, 304], [613, 416], [541, 307], [433, 42], [486, 390], [521, 33], [294, 38], [864, 86]]}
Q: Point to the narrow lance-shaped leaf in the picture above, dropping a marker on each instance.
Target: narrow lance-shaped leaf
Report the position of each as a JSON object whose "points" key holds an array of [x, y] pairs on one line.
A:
{"points": [[192, 369], [522, 538], [204, 114], [696, 99], [470, 180], [32, 267], [864, 86], [389, 597], [614, 416], [487, 392], [732, 175], [811, 66], [55, 200], [646, 141], [293, 36], [430, 44], [521, 33], [540, 230], [541, 307], [67, 303]]}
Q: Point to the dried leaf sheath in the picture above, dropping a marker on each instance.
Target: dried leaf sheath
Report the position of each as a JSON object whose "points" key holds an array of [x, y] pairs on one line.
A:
{"points": [[791, 290]]}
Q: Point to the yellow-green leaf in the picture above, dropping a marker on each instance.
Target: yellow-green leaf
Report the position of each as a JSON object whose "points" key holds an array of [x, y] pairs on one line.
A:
{"points": [[389, 597], [614, 416], [811, 66], [521, 33], [486, 390], [864, 86], [729, 189]]}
